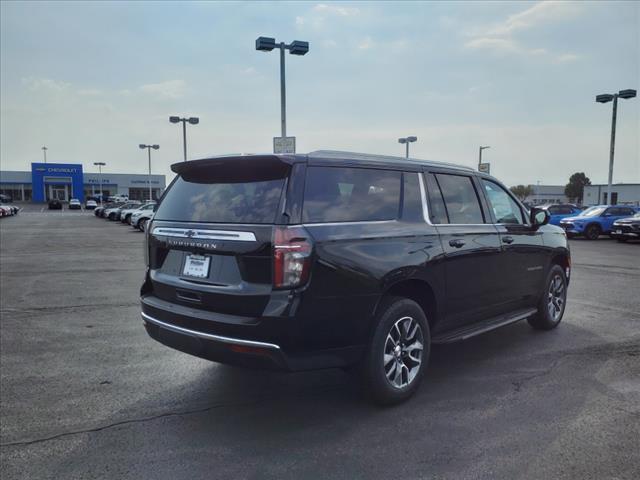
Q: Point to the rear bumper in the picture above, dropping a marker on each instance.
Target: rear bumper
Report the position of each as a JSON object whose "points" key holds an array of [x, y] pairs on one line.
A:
{"points": [[183, 329]]}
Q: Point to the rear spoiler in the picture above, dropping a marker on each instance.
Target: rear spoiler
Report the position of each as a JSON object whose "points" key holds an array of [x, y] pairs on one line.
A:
{"points": [[235, 169]]}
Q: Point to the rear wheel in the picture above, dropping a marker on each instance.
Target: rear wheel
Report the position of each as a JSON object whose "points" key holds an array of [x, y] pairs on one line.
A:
{"points": [[592, 232], [398, 353], [553, 301]]}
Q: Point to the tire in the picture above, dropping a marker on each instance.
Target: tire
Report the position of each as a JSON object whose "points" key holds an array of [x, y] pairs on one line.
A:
{"points": [[142, 224], [398, 353], [552, 302], [592, 232]]}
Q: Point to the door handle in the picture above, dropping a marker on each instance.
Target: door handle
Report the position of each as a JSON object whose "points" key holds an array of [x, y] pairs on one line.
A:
{"points": [[457, 243], [508, 240]]}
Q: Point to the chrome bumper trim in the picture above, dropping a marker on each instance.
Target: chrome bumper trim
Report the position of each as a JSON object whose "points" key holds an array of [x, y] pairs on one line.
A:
{"points": [[209, 336]]}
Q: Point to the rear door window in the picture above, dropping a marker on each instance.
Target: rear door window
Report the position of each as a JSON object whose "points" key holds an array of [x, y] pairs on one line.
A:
{"points": [[336, 194], [460, 199], [237, 202], [437, 210]]}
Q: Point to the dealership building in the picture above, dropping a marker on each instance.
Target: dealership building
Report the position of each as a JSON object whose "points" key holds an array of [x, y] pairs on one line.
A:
{"points": [[63, 181]]}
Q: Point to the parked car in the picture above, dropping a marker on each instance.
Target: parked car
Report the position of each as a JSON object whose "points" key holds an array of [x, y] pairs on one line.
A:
{"points": [[114, 213], [8, 210], [125, 214], [334, 259], [74, 204], [55, 204], [626, 228], [5, 198], [91, 205], [141, 221], [559, 211], [595, 221]]}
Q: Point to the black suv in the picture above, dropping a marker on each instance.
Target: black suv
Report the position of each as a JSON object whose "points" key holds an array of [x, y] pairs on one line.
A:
{"points": [[336, 259]]}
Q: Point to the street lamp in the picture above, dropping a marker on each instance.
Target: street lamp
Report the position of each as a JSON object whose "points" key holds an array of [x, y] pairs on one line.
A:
{"points": [[605, 98], [100, 165], [480, 156], [407, 141], [266, 44], [149, 147], [44, 150], [192, 121]]}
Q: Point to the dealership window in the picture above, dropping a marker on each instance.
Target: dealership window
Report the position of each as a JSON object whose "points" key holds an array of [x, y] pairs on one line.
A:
{"points": [[351, 194], [142, 194], [12, 190]]}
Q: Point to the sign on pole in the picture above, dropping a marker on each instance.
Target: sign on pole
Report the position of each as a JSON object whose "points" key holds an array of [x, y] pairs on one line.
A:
{"points": [[484, 167], [286, 145]]}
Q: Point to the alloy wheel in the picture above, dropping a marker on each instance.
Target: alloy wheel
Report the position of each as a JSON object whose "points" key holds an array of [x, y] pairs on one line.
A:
{"points": [[556, 298], [403, 352]]}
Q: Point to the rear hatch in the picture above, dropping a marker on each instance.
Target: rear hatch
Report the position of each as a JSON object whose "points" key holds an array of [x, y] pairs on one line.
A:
{"points": [[210, 244]]}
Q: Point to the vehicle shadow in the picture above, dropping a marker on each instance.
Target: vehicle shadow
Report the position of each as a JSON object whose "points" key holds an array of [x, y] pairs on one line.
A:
{"points": [[255, 424]]}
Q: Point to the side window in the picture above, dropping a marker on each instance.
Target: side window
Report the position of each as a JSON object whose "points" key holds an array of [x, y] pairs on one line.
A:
{"points": [[612, 211], [411, 198], [460, 199], [505, 209], [565, 210], [627, 211], [336, 194], [555, 210], [437, 210]]}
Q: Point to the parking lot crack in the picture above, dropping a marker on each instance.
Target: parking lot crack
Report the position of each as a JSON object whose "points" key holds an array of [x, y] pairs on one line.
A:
{"points": [[23, 443]]}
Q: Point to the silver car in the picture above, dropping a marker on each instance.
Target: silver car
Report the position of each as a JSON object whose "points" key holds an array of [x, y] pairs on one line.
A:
{"points": [[126, 213], [141, 218]]}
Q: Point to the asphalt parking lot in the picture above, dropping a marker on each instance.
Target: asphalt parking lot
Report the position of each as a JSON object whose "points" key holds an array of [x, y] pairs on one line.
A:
{"points": [[86, 394]]}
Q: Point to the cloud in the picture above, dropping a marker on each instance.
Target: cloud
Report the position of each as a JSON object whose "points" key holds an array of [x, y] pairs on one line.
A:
{"points": [[499, 39], [366, 43], [35, 84], [171, 89], [538, 14], [89, 92], [336, 10], [299, 21]]}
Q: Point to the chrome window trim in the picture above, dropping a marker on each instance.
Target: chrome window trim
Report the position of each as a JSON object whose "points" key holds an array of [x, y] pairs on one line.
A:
{"points": [[209, 336], [204, 234]]}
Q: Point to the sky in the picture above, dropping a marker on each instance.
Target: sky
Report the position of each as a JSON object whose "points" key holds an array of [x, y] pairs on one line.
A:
{"points": [[93, 80]]}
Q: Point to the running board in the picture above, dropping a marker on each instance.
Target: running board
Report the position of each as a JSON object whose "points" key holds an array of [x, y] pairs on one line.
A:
{"points": [[468, 331]]}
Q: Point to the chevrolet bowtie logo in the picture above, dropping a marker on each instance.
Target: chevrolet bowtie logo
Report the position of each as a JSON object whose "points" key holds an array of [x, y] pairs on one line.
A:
{"points": [[189, 233]]}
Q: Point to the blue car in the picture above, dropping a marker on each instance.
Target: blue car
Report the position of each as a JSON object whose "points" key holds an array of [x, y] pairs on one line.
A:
{"points": [[595, 221], [558, 212]]}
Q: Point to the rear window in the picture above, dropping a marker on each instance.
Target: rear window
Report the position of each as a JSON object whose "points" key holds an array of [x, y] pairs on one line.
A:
{"points": [[238, 202], [336, 194]]}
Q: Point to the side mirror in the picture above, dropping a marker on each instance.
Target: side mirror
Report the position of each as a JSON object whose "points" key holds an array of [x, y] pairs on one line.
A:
{"points": [[539, 217]]}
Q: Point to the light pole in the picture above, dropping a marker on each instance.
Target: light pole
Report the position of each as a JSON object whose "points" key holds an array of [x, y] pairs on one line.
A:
{"points": [[44, 151], [407, 141], [480, 155], [192, 121], [100, 165], [149, 147], [266, 44], [605, 98]]}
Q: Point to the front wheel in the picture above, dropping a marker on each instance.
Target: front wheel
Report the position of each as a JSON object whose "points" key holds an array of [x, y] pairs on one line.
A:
{"points": [[142, 224], [553, 301], [398, 353], [592, 232]]}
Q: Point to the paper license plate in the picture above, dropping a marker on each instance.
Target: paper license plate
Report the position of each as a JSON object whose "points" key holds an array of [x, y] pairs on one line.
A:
{"points": [[196, 266]]}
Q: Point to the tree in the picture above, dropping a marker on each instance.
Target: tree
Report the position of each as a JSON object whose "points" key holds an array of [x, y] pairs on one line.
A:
{"points": [[522, 191], [575, 188]]}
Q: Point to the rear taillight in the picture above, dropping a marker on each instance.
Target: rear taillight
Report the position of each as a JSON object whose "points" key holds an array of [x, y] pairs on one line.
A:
{"points": [[291, 257]]}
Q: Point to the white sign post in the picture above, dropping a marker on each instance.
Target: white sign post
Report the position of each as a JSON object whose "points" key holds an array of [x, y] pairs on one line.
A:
{"points": [[484, 168], [284, 145]]}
